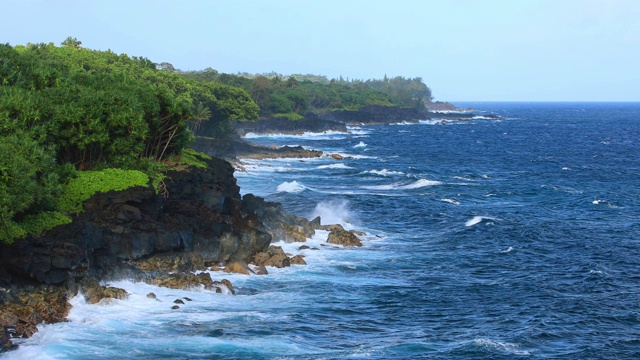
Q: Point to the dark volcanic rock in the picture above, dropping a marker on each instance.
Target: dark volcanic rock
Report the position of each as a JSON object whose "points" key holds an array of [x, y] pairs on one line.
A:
{"points": [[201, 217], [375, 114], [310, 123]]}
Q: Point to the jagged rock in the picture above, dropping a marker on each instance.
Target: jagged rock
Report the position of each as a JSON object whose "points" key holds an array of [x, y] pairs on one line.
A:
{"points": [[237, 267], [260, 270], [172, 261], [224, 283], [151, 296], [344, 238], [95, 294], [274, 256], [182, 281], [178, 301], [29, 309], [298, 260], [277, 222], [332, 227]]}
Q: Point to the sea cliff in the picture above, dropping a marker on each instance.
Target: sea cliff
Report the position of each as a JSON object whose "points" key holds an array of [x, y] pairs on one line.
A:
{"points": [[200, 222]]}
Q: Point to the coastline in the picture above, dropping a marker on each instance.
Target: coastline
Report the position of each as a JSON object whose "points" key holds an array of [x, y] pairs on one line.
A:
{"points": [[137, 234]]}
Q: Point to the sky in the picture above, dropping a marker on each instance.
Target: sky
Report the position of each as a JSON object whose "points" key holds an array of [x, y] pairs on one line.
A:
{"points": [[464, 50]]}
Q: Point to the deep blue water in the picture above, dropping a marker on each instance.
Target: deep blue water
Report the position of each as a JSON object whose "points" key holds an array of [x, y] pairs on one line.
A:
{"points": [[510, 239]]}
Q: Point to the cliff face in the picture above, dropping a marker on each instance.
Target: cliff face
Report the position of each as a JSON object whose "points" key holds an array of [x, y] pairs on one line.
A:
{"points": [[199, 222], [202, 212]]}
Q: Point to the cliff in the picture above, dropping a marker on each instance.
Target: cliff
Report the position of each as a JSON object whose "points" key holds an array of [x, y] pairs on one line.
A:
{"points": [[200, 221]]}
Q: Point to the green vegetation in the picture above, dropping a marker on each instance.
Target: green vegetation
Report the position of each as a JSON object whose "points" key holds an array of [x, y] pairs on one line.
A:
{"points": [[298, 94], [67, 108], [87, 183], [76, 121]]}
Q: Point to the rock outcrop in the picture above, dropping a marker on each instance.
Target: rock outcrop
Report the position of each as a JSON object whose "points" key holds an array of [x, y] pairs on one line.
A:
{"points": [[201, 221]]}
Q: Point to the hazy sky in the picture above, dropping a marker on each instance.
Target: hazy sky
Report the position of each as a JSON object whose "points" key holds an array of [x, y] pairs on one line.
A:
{"points": [[538, 50]]}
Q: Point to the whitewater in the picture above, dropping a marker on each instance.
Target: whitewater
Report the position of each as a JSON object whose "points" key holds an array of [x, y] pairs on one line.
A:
{"points": [[516, 238]]}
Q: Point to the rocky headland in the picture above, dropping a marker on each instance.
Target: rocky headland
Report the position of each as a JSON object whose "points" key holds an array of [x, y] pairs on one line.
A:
{"points": [[201, 222]]}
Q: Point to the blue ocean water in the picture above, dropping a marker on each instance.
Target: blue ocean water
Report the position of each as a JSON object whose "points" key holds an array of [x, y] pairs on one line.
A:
{"points": [[509, 239]]}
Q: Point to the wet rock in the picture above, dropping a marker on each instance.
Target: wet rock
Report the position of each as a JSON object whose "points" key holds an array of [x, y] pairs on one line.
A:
{"points": [[174, 307], [222, 285], [298, 260], [337, 156], [178, 301], [151, 296], [182, 281], [260, 270], [303, 247], [277, 222], [95, 294], [344, 238], [274, 256], [237, 267], [28, 309], [332, 227], [188, 299]]}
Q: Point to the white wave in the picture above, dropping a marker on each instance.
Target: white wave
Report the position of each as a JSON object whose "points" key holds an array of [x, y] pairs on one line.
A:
{"points": [[360, 145], [291, 187], [503, 347], [431, 122], [450, 111], [403, 123], [383, 172], [421, 183], [566, 168], [480, 117], [450, 201], [347, 155], [397, 186], [510, 249], [334, 212], [477, 219], [334, 166], [326, 135]]}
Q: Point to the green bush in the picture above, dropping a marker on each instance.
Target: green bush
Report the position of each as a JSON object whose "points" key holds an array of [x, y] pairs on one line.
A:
{"points": [[290, 116], [38, 223], [88, 183]]}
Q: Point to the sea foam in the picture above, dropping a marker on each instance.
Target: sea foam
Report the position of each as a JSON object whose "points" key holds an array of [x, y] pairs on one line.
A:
{"points": [[477, 219], [334, 212], [291, 187]]}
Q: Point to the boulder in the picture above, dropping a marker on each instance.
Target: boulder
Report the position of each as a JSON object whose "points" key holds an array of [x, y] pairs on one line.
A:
{"points": [[260, 270], [298, 260], [95, 294], [337, 157], [238, 267], [344, 238], [182, 281], [274, 256]]}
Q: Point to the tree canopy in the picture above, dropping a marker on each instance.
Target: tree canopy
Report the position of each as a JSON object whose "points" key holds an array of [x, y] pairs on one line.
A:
{"points": [[276, 94], [68, 107]]}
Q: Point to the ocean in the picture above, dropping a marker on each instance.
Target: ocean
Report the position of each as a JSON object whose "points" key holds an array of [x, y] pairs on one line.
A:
{"points": [[516, 238]]}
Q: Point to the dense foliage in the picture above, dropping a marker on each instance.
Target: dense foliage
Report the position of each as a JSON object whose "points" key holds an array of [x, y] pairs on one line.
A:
{"points": [[66, 108], [299, 94]]}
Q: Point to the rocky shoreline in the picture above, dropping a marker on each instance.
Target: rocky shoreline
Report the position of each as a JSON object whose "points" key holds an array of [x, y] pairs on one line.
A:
{"points": [[201, 223]]}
